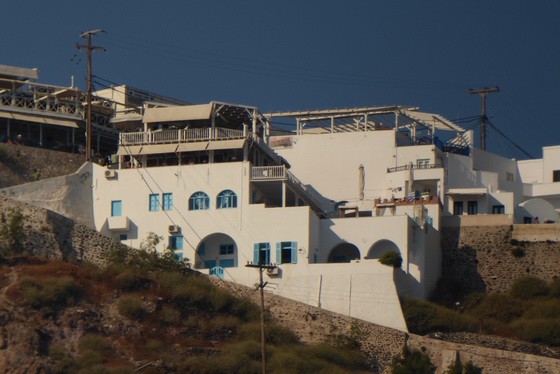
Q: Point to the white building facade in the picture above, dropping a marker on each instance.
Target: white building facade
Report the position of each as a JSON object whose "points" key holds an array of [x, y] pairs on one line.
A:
{"points": [[323, 202]]}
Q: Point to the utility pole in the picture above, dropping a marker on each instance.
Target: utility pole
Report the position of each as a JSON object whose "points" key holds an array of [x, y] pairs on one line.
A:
{"points": [[89, 49], [262, 267], [483, 93]]}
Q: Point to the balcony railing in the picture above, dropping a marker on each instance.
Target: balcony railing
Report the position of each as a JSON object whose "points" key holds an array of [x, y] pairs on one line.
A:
{"points": [[262, 173], [414, 167], [179, 136]]}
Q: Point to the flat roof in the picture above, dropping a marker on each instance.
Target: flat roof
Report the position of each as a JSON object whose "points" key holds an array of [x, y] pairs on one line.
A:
{"points": [[14, 72]]}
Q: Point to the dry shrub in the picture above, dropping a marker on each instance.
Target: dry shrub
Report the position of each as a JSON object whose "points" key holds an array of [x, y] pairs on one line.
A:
{"points": [[51, 294], [131, 307]]}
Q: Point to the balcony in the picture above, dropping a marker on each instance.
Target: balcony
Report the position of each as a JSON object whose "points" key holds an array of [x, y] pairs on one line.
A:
{"points": [[180, 136], [121, 223], [414, 167]]}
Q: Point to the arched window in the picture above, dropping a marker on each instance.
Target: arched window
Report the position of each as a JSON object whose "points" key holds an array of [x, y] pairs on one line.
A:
{"points": [[199, 201], [227, 199]]}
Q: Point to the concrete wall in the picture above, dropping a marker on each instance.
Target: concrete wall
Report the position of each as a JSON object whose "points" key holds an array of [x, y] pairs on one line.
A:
{"points": [[69, 195], [551, 157], [380, 344]]}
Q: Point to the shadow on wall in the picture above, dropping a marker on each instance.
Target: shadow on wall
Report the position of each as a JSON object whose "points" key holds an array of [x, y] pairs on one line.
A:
{"points": [[460, 264]]}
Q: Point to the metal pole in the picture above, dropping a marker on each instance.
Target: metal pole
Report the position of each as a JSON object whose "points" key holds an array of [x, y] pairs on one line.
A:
{"points": [[89, 49], [483, 93], [263, 339]]}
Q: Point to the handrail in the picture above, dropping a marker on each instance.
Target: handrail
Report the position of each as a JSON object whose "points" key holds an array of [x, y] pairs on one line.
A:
{"points": [[414, 167], [179, 136]]}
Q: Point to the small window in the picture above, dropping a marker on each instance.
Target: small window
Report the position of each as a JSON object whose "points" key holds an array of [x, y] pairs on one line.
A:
{"points": [[116, 208], [423, 163], [509, 176], [167, 201], [123, 237], [556, 175], [226, 199], [175, 242], [262, 253], [178, 256], [226, 249], [154, 202], [457, 208], [286, 252], [472, 207], [498, 209], [199, 201]]}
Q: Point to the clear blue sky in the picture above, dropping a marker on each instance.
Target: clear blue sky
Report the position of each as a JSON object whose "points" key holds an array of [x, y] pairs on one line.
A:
{"points": [[307, 54]]}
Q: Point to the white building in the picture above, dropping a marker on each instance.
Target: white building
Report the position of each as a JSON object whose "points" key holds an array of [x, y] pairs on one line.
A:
{"points": [[323, 202]]}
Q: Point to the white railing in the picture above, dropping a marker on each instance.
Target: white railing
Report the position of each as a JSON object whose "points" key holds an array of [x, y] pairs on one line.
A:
{"points": [[268, 172], [177, 136]]}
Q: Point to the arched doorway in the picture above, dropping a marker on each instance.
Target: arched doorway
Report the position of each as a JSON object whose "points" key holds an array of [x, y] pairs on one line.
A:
{"points": [[344, 252], [216, 250], [380, 248]]}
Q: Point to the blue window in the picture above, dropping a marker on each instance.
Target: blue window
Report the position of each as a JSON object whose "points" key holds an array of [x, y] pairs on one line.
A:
{"points": [[261, 253], [209, 264], [116, 208], [167, 201], [154, 202], [175, 242], [178, 256], [226, 199], [199, 201], [123, 237], [286, 253], [227, 263], [226, 249]]}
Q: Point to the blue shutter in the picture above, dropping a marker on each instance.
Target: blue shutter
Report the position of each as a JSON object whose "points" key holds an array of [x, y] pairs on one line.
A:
{"points": [[294, 252], [267, 258], [278, 253], [256, 253], [179, 242]]}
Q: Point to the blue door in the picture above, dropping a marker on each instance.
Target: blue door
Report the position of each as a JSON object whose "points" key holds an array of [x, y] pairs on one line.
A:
{"points": [[217, 271]]}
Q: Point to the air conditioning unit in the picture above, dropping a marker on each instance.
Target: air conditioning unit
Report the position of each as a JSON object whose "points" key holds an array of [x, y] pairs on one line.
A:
{"points": [[110, 174], [273, 271], [174, 229]]}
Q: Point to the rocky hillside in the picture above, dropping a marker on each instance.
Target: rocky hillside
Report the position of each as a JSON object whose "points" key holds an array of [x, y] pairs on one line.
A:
{"points": [[20, 164]]}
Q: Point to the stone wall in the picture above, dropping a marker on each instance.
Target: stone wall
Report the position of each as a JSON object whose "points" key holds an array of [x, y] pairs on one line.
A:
{"points": [[481, 258], [379, 344], [51, 235], [18, 164]]}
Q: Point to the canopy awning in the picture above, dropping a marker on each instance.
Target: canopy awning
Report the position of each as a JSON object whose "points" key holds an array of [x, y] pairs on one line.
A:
{"points": [[467, 191], [192, 147], [125, 150], [226, 144], [178, 113], [39, 119], [429, 119], [158, 148]]}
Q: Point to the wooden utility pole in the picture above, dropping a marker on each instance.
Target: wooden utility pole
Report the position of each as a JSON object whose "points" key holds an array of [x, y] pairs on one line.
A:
{"points": [[483, 93], [89, 49], [262, 267]]}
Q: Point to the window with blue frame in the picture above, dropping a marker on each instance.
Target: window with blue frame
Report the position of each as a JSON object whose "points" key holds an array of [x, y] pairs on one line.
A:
{"points": [[261, 253], [226, 249], [226, 199], [199, 201], [286, 253], [176, 242], [167, 201], [116, 208], [227, 263], [178, 256], [154, 202]]}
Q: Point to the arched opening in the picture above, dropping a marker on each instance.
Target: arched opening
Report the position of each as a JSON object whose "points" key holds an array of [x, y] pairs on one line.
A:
{"points": [[216, 250], [344, 252], [380, 248]]}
